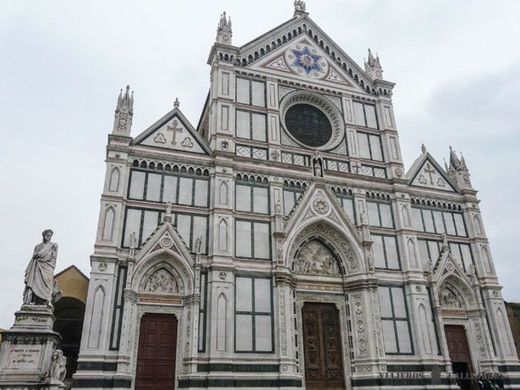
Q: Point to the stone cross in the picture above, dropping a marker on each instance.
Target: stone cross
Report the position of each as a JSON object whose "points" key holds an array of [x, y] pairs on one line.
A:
{"points": [[430, 171], [174, 129]]}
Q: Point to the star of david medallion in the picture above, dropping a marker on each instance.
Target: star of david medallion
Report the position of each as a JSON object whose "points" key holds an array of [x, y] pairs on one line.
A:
{"points": [[307, 61]]}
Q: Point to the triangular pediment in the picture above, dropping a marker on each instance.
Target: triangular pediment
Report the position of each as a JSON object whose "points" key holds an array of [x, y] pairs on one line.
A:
{"points": [[300, 49], [165, 238], [317, 203], [174, 132], [446, 265], [427, 173], [305, 60]]}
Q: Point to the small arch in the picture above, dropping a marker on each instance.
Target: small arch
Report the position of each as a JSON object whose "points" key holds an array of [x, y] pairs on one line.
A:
{"points": [[108, 225], [223, 193], [425, 333], [478, 226], [114, 180], [412, 252], [96, 318], [223, 235], [503, 332], [222, 305]]}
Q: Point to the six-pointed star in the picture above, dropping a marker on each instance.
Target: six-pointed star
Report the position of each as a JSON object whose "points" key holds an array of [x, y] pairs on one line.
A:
{"points": [[307, 60]]}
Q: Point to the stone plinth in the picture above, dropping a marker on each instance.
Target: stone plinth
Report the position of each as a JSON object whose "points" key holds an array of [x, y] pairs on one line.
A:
{"points": [[27, 350]]}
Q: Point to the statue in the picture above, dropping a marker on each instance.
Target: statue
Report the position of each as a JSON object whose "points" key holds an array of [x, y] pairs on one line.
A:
{"points": [[40, 287], [58, 368], [299, 5]]}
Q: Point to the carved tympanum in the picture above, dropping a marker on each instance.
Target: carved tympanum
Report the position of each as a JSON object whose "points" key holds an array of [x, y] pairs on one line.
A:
{"points": [[449, 299], [161, 282], [315, 258]]}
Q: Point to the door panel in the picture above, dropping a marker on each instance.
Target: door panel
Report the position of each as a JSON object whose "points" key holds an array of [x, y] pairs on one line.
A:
{"points": [[459, 354], [156, 352], [322, 347]]}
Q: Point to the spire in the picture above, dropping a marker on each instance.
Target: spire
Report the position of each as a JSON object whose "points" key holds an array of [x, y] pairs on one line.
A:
{"points": [[124, 112], [454, 159], [224, 30], [458, 170], [299, 8], [373, 66]]}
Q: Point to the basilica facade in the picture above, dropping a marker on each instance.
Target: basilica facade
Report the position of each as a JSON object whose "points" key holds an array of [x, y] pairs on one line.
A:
{"points": [[281, 243]]}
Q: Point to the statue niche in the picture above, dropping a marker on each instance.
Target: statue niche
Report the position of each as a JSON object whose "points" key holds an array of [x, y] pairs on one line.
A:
{"points": [[314, 258], [161, 282]]}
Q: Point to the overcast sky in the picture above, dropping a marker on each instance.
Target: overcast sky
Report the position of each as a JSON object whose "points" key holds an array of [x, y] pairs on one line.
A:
{"points": [[456, 65]]}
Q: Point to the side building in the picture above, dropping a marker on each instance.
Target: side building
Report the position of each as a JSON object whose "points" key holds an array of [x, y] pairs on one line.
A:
{"points": [[280, 243]]}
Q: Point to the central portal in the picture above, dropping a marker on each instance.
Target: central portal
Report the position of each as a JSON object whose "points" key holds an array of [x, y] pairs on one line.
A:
{"points": [[322, 347], [156, 353]]}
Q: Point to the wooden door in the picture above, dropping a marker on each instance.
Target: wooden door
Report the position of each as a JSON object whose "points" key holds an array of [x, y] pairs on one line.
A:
{"points": [[459, 354], [322, 347], [156, 353]]}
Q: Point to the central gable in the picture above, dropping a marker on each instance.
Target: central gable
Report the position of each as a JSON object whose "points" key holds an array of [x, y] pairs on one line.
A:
{"points": [[272, 50], [303, 59]]}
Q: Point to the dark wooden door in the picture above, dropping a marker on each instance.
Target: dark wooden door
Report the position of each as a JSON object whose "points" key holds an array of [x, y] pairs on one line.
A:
{"points": [[156, 353], [459, 354], [322, 347]]}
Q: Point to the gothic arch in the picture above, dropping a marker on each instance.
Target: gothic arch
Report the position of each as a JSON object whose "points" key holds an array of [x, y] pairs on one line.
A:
{"points": [[167, 261], [347, 254], [108, 224], [114, 180], [455, 293], [96, 318]]}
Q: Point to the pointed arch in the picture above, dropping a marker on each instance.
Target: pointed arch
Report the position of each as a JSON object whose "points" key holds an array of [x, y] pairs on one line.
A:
{"points": [[412, 252], [406, 215], [485, 258], [455, 293], [478, 225], [168, 260], [108, 224], [348, 255], [96, 318], [114, 180], [222, 305], [425, 333], [503, 332], [223, 193], [223, 235]]}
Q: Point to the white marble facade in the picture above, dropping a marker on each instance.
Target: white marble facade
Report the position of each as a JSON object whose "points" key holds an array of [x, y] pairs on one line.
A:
{"points": [[239, 221]]}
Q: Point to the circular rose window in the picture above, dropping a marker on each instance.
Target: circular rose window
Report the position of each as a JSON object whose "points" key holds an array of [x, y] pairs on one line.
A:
{"points": [[308, 124], [311, 120]]}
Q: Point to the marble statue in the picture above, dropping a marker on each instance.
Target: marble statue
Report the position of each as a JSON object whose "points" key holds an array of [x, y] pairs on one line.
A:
{"points": [[40, 287], [58, 368]]}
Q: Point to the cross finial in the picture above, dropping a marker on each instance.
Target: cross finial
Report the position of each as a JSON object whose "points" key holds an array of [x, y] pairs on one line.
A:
{"points": [[176, 103], [423, 149]]}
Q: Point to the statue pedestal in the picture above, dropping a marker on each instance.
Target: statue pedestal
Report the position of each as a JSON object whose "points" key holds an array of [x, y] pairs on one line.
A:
{"points": [[27, 350]]}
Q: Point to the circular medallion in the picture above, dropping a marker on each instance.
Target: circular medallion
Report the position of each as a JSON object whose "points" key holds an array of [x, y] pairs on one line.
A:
{"points": [[321, 206], [166, 242], [311, 120]]}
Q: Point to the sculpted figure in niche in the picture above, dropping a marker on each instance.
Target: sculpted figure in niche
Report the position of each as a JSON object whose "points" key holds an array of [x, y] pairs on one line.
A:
{"points": [[315, 258], [40, 287]]}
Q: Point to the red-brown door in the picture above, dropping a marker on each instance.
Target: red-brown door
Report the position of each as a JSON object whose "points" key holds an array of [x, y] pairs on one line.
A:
{"points": [[156, 353], [459, 354], [322, 347]]}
